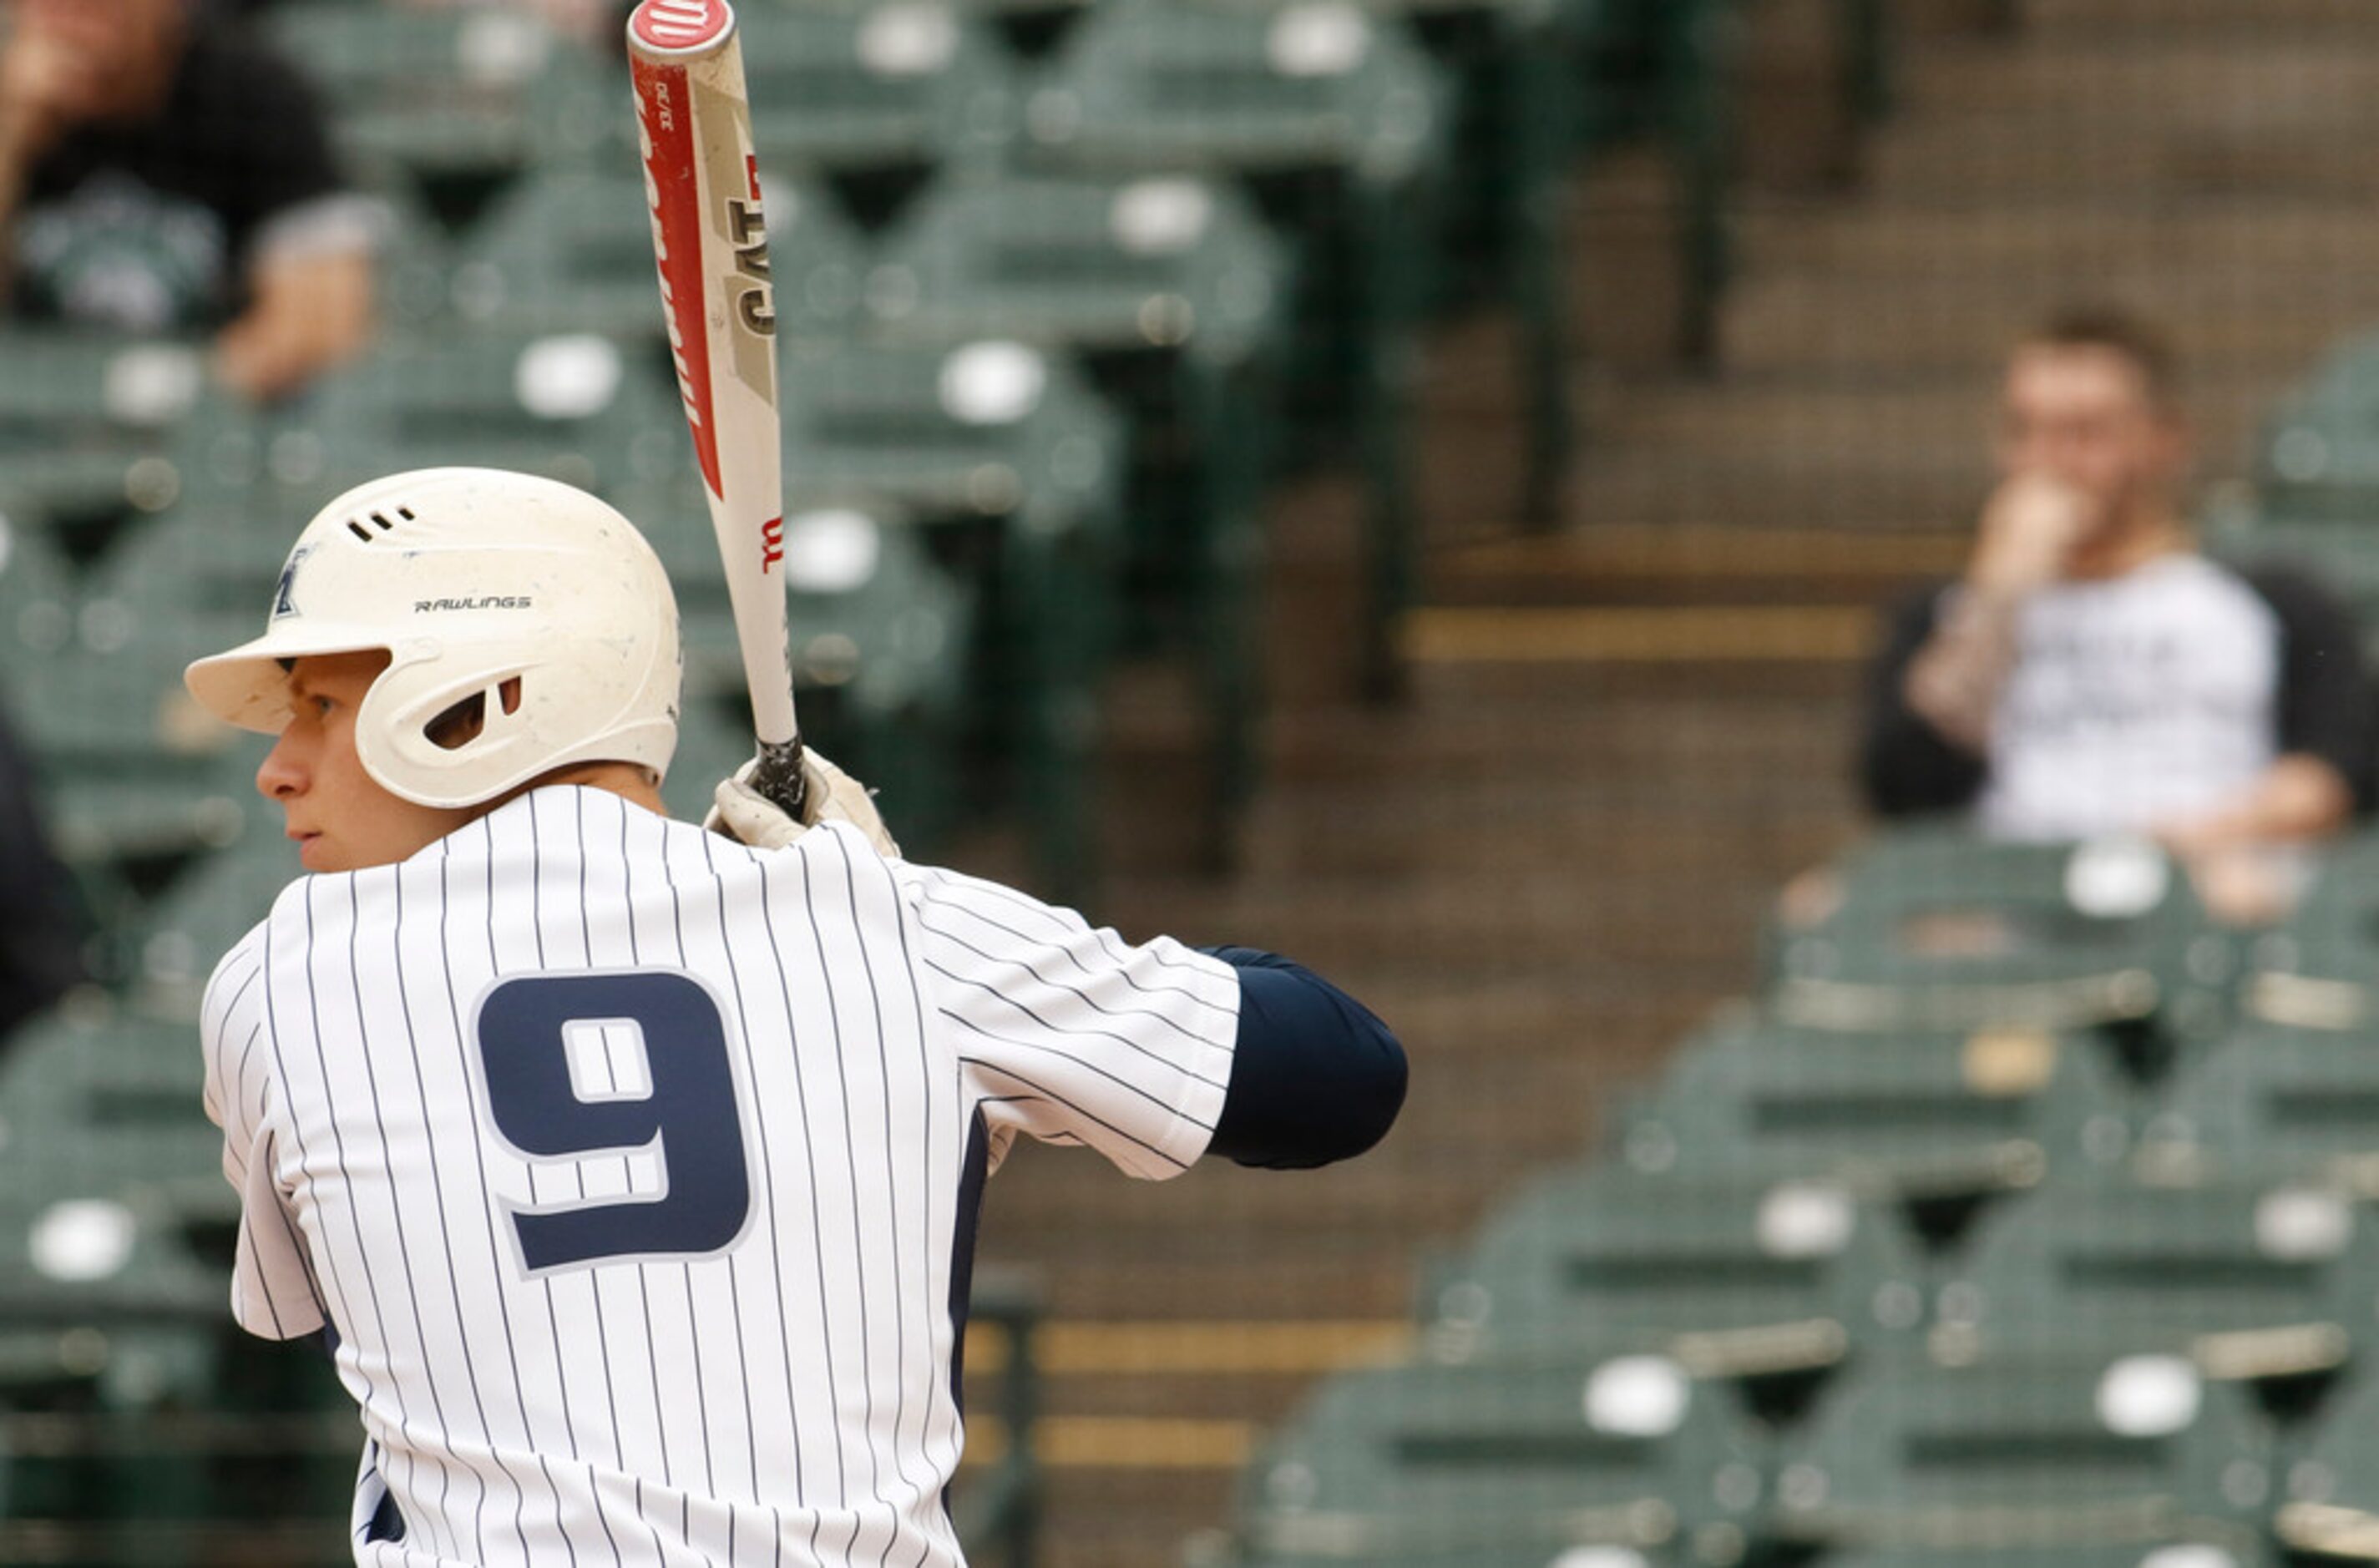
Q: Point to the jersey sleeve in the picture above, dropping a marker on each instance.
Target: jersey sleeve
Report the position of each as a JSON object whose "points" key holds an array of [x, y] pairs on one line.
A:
{"points": [[2325, 706], [1906, 767], [272, 1291], [264, 118], [1068, 1033]]}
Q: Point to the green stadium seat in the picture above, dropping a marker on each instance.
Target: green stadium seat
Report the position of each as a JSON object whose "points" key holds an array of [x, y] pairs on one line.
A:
{"points": [[108, 1169], [571, 250], [100, 1103], [2257, 1281], [572, 406], [140, 780], [2318, 458], [2321, 970], [179, 936], [1923, 1115], [843, 87], [2272, 1102], [449, 102], [1425, 1464], [1341, 125], [37, 598], [108, 1325], [1127, 264], [85, 418], [112, 689], [2328, 1511], [988, 427], [1936, 928], [134, 781], [2103, 1449], [1173, 293], [2231, 1551], [1757, 1280]]}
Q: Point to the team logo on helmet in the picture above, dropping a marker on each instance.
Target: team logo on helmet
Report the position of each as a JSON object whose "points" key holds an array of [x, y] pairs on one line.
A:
{"points": [[284, 597]]}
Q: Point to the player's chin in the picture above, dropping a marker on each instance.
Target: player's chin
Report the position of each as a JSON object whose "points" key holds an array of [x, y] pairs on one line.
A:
{"points": [[317, 852]]}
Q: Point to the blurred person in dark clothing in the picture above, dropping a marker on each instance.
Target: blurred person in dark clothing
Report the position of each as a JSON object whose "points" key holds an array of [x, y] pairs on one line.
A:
{"points": [[2092, 673], [160, 172], [41, 928]]}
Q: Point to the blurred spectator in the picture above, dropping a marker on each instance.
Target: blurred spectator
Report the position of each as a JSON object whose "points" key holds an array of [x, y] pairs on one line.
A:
{"points": [[2092, 673], [160, 172], [41, 925]]}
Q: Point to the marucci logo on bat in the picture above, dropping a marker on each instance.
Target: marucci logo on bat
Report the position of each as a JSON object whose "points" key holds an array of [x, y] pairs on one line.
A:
{"points": [[484, 601], [772, 544], [678, 24]]}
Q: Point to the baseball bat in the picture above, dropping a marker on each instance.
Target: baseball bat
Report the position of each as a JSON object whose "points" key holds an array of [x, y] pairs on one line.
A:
{"points": [[702, 179]]}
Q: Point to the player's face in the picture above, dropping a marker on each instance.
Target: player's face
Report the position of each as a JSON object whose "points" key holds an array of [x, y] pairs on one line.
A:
{"points": [[340, 817], [2086, 415]]}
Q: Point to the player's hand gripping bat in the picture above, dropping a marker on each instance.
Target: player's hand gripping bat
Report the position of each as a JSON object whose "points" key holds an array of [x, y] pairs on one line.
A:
{"points": [[694, 120]]}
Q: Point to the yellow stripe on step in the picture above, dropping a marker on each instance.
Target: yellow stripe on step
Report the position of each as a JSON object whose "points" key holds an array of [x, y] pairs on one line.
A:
{"points": [[1120, 1442], [1701, 634], [1207, 1347]]}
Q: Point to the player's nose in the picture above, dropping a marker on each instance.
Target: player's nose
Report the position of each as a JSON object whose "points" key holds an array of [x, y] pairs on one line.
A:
{"points": [[281, 774]]}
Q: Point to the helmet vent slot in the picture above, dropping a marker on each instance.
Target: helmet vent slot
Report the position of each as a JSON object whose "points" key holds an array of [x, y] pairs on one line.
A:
{"points": [[379, 520]]}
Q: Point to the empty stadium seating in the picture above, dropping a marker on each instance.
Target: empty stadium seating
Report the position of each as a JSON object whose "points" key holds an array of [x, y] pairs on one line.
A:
{"points": [[2272, 1101], [1930, 928], [2141, 1338], [2253, 1282], [1423, 1465], [2080, 1450], [1740, 1278], [1921, 1113]]}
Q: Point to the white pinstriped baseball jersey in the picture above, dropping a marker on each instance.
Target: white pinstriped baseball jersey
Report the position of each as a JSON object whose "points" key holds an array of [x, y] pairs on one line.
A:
{"points": [[635, 1170]]}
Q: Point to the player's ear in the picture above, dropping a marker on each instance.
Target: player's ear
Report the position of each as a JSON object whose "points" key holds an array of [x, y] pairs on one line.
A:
{"points": [[460, 724]]}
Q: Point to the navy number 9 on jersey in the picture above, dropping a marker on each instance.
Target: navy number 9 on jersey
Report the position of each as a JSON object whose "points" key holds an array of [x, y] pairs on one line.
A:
{"points": [[524, 1045]]}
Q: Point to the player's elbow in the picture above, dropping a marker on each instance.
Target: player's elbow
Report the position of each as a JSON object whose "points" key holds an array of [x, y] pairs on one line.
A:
{"points": [[1315, 1077], [1375, 1096]]}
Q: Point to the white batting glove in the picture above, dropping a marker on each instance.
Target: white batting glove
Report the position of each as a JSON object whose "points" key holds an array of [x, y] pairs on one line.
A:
{"points": [[741, 812]]}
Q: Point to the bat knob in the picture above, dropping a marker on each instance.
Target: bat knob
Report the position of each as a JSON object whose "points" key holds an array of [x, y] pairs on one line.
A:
{"points": [[678, 27]]}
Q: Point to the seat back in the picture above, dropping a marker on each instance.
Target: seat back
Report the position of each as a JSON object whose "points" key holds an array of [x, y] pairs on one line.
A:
{"points": [[1427, 1460], [1201, 87], [1922, 1112], [1596, 1258], [2031, 1452], [1088, 263]]}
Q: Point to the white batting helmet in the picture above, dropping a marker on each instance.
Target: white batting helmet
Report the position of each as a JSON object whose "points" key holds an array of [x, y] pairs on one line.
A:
{"points": [[471, 578]]}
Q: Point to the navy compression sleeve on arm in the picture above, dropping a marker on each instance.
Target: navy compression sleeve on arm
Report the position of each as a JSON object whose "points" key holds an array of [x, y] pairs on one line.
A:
{"points": [[1314, 1077]]}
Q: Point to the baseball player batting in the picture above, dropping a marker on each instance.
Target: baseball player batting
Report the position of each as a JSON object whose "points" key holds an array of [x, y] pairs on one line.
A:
{"points": [[630, 1167]]}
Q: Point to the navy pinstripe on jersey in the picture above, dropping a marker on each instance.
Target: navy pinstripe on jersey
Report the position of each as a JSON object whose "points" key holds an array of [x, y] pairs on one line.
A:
{"points": [[634, 1169]]}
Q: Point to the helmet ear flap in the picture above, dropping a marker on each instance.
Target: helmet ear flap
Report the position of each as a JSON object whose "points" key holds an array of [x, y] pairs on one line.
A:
{"points": [[410, 722], [465, 720]]}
